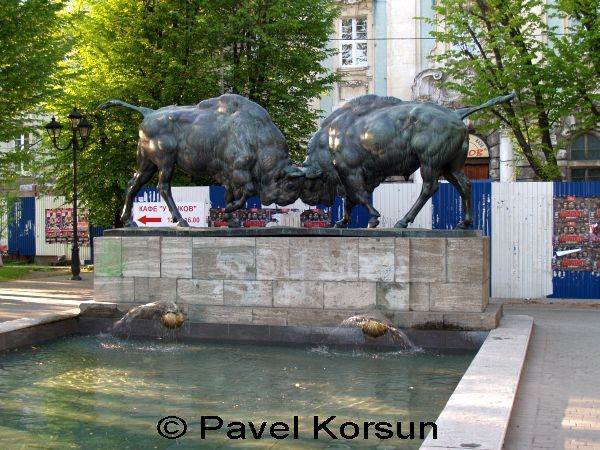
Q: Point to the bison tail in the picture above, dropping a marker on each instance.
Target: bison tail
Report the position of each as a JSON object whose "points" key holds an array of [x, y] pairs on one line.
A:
{"points": [[464, 112], [110, 103]]}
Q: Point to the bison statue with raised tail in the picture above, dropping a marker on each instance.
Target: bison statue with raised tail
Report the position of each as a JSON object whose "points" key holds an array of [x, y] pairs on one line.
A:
{"points": [[228, 138], [371, 138]]}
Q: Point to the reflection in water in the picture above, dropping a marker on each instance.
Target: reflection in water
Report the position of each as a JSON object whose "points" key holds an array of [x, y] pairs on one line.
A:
{"points": [[106, 392]]}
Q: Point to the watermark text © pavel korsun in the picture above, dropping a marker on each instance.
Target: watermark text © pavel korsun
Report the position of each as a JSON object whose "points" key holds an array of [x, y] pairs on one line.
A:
{"points": [[322, 428]]}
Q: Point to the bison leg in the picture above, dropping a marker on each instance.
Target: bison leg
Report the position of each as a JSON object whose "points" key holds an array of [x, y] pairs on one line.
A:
{"points": [[164, 187], [463, 185], [144, 174], [237, 204], [348, 205], [364, 199], [430, 186], [354, 186]]}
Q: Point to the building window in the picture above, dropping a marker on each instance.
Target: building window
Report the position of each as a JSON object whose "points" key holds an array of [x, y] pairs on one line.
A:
{"points": [[354, 42], [20, 142], [585, 158]]}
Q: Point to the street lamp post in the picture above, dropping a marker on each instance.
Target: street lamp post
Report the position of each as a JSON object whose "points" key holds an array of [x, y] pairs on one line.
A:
{"points": [[78, 124]]}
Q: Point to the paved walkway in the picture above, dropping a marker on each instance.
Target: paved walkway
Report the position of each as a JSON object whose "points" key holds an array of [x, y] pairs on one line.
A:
{"points": [[558, 402], [44, 293]]}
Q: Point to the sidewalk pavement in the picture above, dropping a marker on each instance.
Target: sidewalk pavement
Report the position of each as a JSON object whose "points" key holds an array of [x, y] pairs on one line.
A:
{"points": [[558, 402], [42, 294]]}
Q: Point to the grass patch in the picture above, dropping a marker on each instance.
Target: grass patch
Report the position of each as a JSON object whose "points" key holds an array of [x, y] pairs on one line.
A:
{"points": [[14, 271]]}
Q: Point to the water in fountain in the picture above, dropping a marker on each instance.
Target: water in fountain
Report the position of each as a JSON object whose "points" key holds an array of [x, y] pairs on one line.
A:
{"points": [[375, 327]]}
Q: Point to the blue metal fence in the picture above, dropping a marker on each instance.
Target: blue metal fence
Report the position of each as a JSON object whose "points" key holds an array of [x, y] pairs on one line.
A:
{"points": [[447, 207], [21, 227]]}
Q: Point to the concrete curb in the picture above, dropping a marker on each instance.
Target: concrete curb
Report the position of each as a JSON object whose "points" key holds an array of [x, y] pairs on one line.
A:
{"points": [[32, 331], [478, 412]]}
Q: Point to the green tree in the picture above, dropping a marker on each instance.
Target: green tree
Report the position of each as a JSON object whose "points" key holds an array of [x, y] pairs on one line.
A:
{"points": [[271, 52], [160, 52], [496, 46], [30, 49], [576, 59]]}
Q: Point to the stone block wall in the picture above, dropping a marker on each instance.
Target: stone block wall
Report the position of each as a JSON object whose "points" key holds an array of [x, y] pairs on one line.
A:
{"points": [[303, 280]]}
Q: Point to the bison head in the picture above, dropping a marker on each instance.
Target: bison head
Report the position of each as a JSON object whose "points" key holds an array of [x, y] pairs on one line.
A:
{"points": [[283, 188], [321, 181]]}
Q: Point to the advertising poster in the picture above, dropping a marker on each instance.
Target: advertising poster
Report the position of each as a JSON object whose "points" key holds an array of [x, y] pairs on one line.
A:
{"points": [[247, 217], [315, 218], [59, 227], [576, 234]]}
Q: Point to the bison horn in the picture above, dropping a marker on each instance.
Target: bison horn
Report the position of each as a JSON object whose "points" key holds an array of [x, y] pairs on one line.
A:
{"points": [[312, 172], [293, 172]]}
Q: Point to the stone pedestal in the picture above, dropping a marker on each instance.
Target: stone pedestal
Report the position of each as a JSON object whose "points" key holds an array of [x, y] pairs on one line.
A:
{"points": [[290, 276]]}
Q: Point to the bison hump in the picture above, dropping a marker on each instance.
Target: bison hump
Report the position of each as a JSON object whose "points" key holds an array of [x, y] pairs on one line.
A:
{"points": [[360, 106], [230, 104]]}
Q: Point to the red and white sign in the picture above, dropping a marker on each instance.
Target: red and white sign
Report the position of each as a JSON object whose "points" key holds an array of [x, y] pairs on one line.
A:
{"points": [[477, 147], [157, 214]]}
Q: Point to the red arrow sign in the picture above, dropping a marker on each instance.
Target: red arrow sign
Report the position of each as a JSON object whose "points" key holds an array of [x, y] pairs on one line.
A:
{"points": [[145, 219]]}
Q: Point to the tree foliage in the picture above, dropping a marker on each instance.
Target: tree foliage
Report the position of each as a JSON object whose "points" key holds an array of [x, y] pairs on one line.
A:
{"points": [[155, 53], [30, 49], [497, 46]]}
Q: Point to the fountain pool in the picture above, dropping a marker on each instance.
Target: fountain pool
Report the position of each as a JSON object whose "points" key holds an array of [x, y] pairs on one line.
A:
{"points": [[106, 392]]}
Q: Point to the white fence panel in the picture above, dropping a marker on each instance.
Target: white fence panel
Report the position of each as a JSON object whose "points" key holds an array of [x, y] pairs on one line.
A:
{"points": [[394, 200], [42, 248], [522, 240]]}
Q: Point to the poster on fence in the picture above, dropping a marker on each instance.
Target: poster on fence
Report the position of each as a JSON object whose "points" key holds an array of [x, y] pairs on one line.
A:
{"points": [[576, 234], [59, 227]]}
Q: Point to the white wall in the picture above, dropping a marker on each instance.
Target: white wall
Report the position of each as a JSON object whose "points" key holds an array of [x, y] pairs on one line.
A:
{"points": [[522, 227]]}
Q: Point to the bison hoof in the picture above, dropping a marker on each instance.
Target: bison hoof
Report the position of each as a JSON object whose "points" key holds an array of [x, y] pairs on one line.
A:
{"points": [[462, 225], [182, 223], [130, 224], [401, 224], [373, 223], [340, 224]]}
